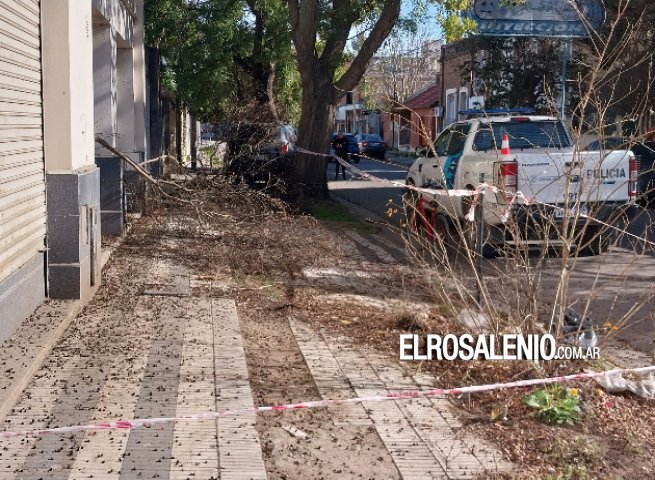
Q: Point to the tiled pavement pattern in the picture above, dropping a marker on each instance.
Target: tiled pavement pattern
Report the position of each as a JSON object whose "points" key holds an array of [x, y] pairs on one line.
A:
{"points": [[420, 434], [153, 345], [165, 353]]}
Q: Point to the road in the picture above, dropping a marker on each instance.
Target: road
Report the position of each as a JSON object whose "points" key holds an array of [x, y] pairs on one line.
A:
{"points": [[376, 197], [618, 287]]}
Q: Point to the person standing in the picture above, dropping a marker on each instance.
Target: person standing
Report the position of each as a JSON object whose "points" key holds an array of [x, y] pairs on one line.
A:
{"points": [[340, 147]]}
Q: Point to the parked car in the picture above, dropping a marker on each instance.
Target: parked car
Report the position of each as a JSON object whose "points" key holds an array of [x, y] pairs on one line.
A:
{"points": [[260, 151], [645, 154], [466, 153], [353, 149], [371, 145]]}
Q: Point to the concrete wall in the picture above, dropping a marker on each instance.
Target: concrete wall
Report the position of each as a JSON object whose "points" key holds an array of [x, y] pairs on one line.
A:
{"points": [[93, 82], [120, 18], [121, 112], [67, 84]]}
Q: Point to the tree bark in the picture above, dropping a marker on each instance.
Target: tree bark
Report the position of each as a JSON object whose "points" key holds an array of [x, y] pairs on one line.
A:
{"points": [[320, 93], [314, 128], [178, 131]]}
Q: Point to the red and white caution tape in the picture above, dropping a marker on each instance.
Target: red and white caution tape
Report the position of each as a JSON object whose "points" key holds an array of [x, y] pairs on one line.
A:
{"points": [[147, 422], [482, 188]]}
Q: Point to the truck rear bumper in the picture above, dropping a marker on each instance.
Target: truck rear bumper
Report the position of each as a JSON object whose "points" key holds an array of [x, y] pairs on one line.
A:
{"points": [[604, 212], [536, 225]]}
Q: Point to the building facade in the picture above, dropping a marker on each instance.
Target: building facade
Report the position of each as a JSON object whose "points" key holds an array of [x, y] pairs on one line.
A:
{"points": [[391, 78], [69, 70]]}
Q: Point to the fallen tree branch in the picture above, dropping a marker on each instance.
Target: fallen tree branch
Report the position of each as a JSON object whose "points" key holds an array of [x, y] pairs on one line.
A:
{"points": [[148, 178]]}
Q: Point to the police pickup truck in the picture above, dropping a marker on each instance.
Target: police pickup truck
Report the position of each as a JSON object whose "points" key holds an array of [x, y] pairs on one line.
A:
{"points": [[559, 186]]}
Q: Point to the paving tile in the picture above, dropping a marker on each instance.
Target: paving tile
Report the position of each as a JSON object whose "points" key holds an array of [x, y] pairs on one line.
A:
{"points": [[420, 434]]}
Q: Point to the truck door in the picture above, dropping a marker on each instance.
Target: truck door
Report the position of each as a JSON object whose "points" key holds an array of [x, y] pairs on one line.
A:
{"points": [[440, 172], [454, 153], [432, 170]]}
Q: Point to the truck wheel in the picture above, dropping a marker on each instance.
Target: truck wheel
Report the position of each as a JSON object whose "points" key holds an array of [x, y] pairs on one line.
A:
{"points": [[443, 245], [595, 241], [470, 235]]}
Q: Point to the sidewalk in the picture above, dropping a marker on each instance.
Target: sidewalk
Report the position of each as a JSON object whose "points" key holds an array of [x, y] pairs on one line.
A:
{"points": [[148, 345], [171, 333]]}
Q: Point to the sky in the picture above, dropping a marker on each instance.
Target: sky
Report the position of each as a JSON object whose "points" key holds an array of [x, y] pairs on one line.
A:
{"points": [[429, 19], [430, 29]]}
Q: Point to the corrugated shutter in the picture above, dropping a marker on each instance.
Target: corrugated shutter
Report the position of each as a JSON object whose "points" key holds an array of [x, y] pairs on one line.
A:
{"points": [[22, 167]]}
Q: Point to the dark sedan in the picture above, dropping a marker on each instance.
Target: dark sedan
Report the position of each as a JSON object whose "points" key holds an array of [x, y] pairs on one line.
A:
{"points": [[371, 145]]}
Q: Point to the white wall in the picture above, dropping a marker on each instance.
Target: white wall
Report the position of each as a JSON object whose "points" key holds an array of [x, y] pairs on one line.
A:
{"points": [[68, 84]]}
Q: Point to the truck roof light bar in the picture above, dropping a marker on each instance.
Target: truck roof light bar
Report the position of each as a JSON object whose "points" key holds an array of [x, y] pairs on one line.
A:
{"points": [[496, 111]]}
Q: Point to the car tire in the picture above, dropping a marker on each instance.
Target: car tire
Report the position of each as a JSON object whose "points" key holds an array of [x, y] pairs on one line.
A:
{"points": [[595, 240], [470, 236], [444, 245]]}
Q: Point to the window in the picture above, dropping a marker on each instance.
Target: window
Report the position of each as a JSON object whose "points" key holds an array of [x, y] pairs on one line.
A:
{"points": [[458, 139], [451, 108], [441, 144], [463, 101], [522, 135], [452, 140], [349, 98]]}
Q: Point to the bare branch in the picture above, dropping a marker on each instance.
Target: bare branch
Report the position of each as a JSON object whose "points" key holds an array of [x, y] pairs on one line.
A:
{"points": [[382, 28]]}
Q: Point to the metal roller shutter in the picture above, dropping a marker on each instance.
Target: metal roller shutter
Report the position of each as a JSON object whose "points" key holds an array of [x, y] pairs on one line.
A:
{"points": [[22, 167]]}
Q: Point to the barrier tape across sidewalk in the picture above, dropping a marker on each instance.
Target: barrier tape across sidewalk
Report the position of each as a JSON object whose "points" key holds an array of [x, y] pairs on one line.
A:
{"points": [[482, 188], [147, 422]]}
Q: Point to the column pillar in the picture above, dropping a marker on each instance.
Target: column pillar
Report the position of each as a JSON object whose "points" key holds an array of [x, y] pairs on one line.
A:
{"points": [[126, 120], [105, 83], [72, 178], [141, 112]]}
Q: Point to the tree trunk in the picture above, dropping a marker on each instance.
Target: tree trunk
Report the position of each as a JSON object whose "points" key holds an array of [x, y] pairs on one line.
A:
{"points": [[264, 78], [178, 131], [313, 135], [194, 147]]}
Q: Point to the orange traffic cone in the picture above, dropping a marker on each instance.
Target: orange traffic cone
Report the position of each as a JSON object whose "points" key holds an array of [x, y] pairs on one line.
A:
{"points": [[504, 148]]}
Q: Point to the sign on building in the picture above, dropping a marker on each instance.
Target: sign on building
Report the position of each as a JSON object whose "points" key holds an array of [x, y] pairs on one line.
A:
{"points": [[538, 18]]}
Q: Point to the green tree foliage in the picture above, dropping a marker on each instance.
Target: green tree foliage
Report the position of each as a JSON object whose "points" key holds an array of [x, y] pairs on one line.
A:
{"points": [[517, 72], [220, 55], [195, 40]]}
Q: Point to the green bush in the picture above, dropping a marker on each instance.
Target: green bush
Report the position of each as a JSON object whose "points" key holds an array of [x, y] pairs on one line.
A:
{"points": [[555, 405]]}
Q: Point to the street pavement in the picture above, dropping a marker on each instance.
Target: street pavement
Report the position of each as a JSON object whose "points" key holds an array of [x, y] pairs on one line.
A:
{"points": [[379, 198], [615, 288]]}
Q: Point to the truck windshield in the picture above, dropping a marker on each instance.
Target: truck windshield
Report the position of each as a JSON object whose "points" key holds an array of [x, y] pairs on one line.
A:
{"points": [[522, 135]]}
